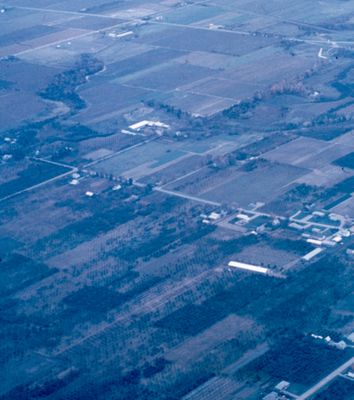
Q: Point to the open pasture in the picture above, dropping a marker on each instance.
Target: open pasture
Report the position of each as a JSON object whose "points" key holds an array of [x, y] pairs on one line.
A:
{"points": [[217, 41], [108, 98], [266, 66], [215, 61], [314, 155], [173, 57], [19, 71], [266, 255], [345, 208], [191, 15], [225, 88], [243, 189], [35, 173], [141, 62], [302, 12], [311, 153], [330, 156], [153, 156], [204, 342], [169, 77], [139, 159], [327, 175], [120, 288], [27, 106], [296, 151], [346, 161], [196, 104]]}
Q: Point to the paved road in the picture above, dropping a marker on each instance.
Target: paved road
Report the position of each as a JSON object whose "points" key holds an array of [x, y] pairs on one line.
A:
{"points": [[58, 164], [68, 39], [70, 168], [187, 196], [184, 26], [10, 196], [326, 380], [119, 152], [74, 13]]}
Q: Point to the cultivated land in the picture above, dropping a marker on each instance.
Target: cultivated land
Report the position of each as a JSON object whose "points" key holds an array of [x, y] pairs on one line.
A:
{"points": [[143, 147]]}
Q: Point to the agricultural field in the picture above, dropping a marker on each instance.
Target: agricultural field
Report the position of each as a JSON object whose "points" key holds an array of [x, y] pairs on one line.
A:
{"points": [[176, 200]]}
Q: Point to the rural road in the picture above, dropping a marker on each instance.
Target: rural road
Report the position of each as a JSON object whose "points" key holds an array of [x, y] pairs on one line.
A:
{"points": [[326, 380], [55, 178], [187, 196], [116, 153]]}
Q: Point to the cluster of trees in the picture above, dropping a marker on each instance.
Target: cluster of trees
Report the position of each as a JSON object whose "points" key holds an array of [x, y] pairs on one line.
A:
{"points": [[42, 389], [102, 220], [295, 246], [192, 319], [171, 234], [298, 359], [242, 109], [340, 389], [25, 138], [64, 85], [286, 87]]}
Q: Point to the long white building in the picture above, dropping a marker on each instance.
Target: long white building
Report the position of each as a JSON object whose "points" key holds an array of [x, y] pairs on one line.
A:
{"points": [[248, 267]]}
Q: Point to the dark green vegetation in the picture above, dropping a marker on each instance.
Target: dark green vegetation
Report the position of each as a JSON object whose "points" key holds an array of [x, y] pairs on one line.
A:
{"points": [[346, 161], [5, 84], [340, 389], [311, 314], [114, 275], [35, 173], [299, 196], [17, 272], [64, 85], [298, 359], [193, 319], [93, 299]]}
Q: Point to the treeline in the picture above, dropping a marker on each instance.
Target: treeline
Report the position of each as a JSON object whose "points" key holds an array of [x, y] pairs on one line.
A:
{"points": [[298, 359], [168, 238], [64, 85], [342, 389], [192, 319]]}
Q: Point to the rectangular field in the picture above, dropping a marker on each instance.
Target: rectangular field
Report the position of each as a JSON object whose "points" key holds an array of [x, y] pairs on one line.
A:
{"points": [[248, 188], [35, 173]]}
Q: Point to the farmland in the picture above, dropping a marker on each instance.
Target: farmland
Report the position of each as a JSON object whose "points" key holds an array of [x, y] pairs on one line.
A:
{"points": [[146, 150]]}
